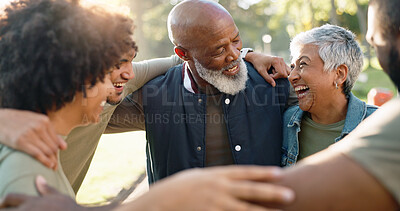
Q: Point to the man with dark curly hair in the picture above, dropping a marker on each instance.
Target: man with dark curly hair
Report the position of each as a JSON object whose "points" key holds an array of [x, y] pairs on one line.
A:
{"points": [[56, 58]]}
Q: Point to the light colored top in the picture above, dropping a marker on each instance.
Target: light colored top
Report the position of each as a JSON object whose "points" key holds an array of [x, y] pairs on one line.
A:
{"points": [[315, 137], [375, 145], [18, 172], [82, 141]]}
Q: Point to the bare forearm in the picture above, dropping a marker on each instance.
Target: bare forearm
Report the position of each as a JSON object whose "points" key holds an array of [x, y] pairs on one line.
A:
{"points": [[332, 181]]}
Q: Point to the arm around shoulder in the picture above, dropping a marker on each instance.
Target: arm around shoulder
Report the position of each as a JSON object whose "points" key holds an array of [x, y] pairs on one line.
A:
{"points": [[146, 70], [128, 116]]}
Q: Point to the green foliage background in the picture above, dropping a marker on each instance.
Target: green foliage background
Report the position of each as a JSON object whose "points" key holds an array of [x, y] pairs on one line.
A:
{"points": [[282, 19]]}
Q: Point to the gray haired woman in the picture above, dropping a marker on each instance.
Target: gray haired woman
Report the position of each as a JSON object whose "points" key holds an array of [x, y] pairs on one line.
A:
{"points": [[326, 62]]}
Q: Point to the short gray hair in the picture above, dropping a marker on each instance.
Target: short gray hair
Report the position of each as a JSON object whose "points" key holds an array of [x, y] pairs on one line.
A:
{"points": [[337, 46]]}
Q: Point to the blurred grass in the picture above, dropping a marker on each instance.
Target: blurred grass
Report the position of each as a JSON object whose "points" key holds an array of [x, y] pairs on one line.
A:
{"points": [[117, 163], [372, 77]]}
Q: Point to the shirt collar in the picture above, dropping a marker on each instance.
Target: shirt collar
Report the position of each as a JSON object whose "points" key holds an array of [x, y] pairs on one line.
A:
{"points": [[296, 117], [188, 80]]}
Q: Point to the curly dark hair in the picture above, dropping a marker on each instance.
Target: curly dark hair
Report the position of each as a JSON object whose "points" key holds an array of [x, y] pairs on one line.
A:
{"points": [[50, 48]]}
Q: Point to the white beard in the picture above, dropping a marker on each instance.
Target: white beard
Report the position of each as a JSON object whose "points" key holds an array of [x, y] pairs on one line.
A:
{"points": [[224, 83]]}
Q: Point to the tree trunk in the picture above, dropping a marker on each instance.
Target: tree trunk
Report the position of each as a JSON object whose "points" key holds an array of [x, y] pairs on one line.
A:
{"points": [[333, 16], [362, 21], [138, 9]]}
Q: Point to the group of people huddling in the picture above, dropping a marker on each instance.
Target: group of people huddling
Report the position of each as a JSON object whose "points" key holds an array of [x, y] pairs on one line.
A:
{"points": [[67, 77]]}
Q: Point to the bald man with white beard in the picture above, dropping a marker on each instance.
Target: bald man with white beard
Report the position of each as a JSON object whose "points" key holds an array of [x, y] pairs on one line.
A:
{"points": [[213, 110]]}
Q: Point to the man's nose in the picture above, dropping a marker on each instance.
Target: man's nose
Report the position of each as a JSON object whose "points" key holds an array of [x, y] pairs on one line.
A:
{"points": [[233, 54], [128, 73]]}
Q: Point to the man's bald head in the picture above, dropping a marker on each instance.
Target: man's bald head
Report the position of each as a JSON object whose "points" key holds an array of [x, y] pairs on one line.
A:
{"points": [[191, 19], [206, 37]]}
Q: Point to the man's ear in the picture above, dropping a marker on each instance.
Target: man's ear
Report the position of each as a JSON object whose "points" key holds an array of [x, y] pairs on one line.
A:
{"points": [[181, 52], [341, 74]]}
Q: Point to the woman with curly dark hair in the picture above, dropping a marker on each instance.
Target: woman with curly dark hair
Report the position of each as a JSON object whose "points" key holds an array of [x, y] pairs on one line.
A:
{"points": [[55, 58]]}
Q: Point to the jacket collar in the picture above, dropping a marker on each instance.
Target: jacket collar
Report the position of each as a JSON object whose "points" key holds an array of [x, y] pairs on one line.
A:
{"points": [[356, 112], [296, 117]]}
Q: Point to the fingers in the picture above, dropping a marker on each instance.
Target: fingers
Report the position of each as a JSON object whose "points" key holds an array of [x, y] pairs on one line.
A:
{"points": [[40, 140], [264, 73], [50, 140], [35, 152], [49, 147], [14, 200], [262, 192], [277, 75], [229, 203], [250, 184], [241, 205], [59, 143], [281, 69], [268, 78], [62, 143], [254, 173], [42, 186], [41, 151], [272, 68], [288, 70]]}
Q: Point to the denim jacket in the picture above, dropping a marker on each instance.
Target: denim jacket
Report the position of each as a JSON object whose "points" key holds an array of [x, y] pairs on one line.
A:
{"points": [[357, 111]]}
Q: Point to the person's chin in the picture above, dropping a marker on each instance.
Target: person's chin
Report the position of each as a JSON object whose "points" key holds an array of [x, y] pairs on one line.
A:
{"points": [[114, 100], [306, 103]]}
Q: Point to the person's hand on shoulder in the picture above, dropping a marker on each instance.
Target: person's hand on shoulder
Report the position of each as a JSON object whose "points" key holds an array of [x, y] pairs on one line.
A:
{"points": [[216, 188], [31, 133], [269, 67]]}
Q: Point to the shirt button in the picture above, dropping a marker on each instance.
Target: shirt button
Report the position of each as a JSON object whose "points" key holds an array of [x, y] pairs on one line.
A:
{"points": [[200, 100], [227, 101], [238, 148], [199, 148]]}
